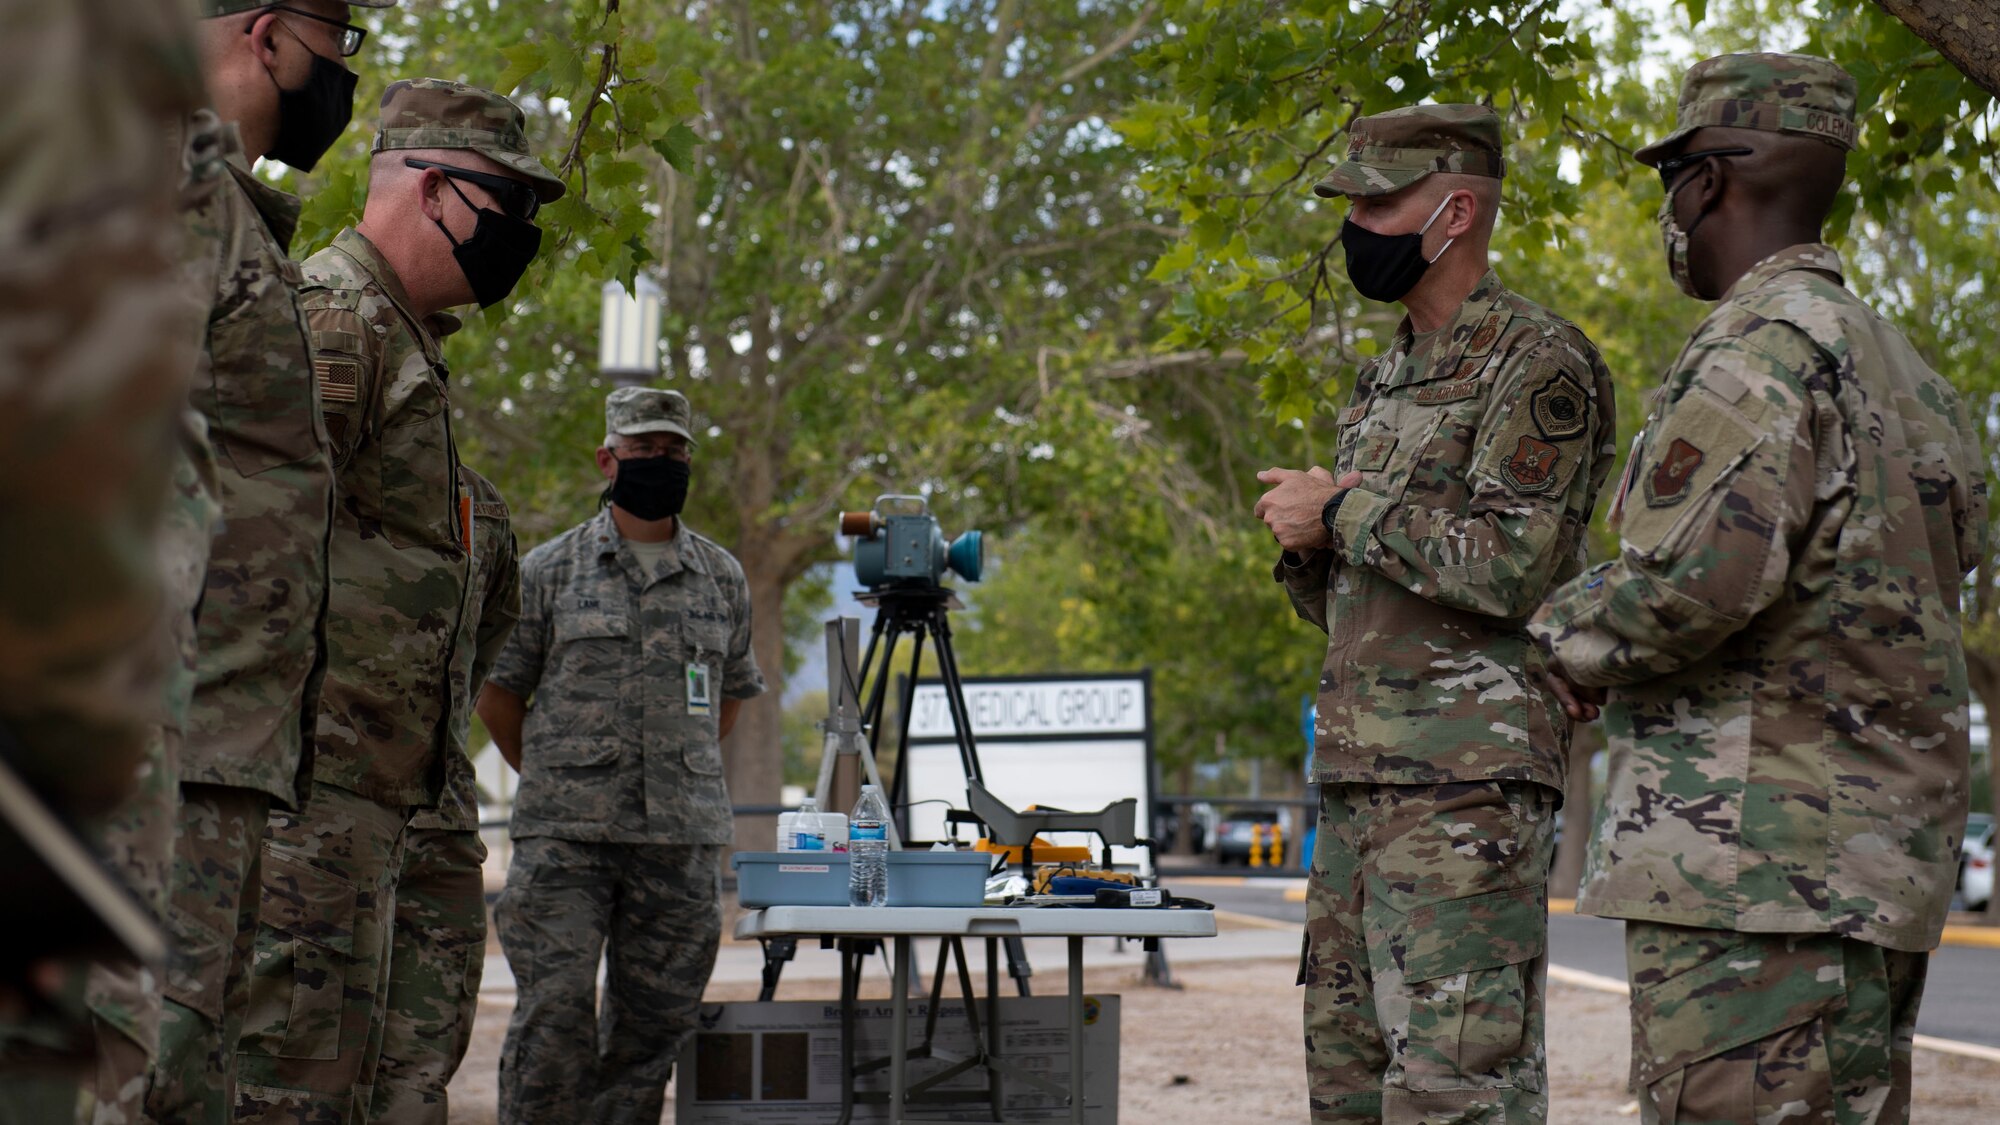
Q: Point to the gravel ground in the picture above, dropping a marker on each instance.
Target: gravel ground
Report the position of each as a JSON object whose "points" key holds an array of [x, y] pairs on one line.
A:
{"points": [[1226, 1049]]}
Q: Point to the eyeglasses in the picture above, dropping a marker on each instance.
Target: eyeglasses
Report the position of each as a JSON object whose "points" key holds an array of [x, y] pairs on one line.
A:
{"points": [[1672, 166], [515, 198], [351, 37]]}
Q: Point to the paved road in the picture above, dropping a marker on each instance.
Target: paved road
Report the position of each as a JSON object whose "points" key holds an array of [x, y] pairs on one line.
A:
{"points": [[1961, 1000]]}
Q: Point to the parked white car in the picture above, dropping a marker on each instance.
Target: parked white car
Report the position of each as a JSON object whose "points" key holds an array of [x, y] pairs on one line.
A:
{"points": [[1975, 864]]}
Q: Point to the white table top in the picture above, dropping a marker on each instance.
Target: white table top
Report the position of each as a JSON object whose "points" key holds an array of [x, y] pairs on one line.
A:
{"points": [[973, 921]]}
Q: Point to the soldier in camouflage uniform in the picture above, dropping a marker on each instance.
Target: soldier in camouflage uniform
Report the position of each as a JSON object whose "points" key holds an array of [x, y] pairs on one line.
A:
{"points": [[634, 649], [1780, 639], [451, 190], [259, 645], [97, 345], [438, 946], [1468, 464]]}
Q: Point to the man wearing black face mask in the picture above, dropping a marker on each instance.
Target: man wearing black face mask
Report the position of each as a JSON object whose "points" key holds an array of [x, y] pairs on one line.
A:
{"points": [[634, 651], [278, 87], [1467, 466], [451, 166]]}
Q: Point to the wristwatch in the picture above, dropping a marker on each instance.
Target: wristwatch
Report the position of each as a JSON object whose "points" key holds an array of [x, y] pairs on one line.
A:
{"points": [[1331, 512]]}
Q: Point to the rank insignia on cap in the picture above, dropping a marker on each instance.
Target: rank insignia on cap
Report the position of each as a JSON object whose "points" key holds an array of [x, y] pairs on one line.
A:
{"points": [[1559, 408], [338, 379], [1668, 483], [1532, 468]]}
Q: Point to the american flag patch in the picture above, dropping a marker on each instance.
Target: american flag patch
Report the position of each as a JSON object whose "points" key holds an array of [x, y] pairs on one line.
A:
{"points": [[339, 379]]}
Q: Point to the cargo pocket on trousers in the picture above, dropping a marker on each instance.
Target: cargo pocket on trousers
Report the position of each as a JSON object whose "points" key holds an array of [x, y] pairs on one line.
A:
{"points": [[1716, 1007], [305, 942], [197, 965], [1469, 965]]}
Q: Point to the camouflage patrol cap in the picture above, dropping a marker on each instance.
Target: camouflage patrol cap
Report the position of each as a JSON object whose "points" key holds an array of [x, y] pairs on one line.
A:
{"points": [[1390, 151], [211, 8], [648, 410], [419, 113], [1773, 92]]}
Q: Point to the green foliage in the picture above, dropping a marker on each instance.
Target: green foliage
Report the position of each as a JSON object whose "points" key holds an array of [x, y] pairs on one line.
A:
{"points": [[803, 739]]}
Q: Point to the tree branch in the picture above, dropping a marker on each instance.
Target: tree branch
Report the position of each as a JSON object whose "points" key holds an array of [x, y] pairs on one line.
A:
{"points": [[1966, 34]]}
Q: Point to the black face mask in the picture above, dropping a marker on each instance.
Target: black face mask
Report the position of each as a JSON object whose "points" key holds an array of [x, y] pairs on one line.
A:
{"points": [[313, 116], [651, 488], [1385, 267], [498, 252]]}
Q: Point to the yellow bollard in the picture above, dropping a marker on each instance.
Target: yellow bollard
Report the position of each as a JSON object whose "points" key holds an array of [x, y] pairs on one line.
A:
{"points": [[1256, 843], [1277, 856]]}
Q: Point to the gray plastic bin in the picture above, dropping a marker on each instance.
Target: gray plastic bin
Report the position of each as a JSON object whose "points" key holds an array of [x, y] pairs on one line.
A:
{"points": [[938, 878], [791, 878]]}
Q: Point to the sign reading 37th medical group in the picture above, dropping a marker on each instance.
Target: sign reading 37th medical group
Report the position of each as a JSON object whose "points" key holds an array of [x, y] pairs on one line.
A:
{"points": [[1002, 709], [1066, 742]]}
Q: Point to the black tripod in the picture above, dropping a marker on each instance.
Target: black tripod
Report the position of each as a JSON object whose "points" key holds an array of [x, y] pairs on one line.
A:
{"points": [[920, 613]]}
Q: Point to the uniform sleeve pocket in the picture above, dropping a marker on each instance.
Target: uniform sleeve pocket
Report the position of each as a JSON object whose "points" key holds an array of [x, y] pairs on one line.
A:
{"points": [[1699, 447]]}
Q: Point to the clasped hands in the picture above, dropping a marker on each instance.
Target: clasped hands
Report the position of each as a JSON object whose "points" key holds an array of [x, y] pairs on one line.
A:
{"points": [[1291, 509]]}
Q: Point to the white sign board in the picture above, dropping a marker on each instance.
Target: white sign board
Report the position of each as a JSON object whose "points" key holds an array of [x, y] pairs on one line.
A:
{"points": [[1066, 742], [778, 1063]]}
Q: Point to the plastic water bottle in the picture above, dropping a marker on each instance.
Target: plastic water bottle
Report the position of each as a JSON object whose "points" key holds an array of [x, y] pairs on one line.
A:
{"points": [[808, 835], [868, 850]]}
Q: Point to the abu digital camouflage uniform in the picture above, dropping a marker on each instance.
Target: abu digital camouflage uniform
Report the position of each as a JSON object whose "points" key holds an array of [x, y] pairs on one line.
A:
{"points": [[438, 944], [1780, 635], [622, 812], [1481, 446], [97, 346], [402, 590]]}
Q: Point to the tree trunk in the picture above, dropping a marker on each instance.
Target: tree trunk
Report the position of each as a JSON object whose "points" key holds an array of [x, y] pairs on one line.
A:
{"points": [[1579, 802], [755, 750], [1967, 34]]}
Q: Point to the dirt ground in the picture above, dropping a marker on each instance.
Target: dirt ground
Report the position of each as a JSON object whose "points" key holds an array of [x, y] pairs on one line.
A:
{"points": [[1225, 1049]]}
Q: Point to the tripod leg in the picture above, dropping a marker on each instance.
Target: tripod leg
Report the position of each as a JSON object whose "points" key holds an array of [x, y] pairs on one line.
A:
{"points": [[954, 690], [1017, 964]]}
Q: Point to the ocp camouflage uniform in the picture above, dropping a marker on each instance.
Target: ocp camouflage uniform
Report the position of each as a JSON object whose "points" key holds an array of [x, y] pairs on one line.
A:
{"points": [[259, 643], [96, 352], [622, 813], [1481, 447], [97, 346], [138, 840], [438, 945], [1780, 635], [403, 588]]}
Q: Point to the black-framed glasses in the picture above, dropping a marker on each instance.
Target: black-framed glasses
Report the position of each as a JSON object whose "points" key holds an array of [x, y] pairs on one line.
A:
{"points": [[515, 198], [351, 36], [1672, 166]]}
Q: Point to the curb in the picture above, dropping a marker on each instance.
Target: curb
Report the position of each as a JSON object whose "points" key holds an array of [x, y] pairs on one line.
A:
{"points": [[1595, 983]]}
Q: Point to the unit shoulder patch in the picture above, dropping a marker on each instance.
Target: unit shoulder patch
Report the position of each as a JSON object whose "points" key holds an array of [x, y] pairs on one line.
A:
{"points": [[1531, 468], [1668, 483], [1561, 408]]}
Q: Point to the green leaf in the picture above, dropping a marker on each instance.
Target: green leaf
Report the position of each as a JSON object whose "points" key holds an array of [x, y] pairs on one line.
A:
{"points": [[677, 147]]}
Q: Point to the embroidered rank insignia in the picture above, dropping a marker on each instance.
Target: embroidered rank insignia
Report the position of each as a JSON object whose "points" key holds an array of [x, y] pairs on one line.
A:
{"points": [[1559, 408], [339, 379], [1668, 483], [1532, 468]]}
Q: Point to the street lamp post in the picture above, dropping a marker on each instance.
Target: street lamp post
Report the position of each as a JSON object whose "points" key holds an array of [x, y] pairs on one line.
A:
{"points": [[628, 349]]}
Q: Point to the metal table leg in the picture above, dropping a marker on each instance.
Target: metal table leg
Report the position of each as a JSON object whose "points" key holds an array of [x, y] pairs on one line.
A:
{"points": [[899, 1029], [1076, 1031]]}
